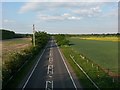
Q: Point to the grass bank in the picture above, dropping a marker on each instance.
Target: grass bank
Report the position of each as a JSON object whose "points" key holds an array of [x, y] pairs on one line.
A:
{"points": [[96, 74]]}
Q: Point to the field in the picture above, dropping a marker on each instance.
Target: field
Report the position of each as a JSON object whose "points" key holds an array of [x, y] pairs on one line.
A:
{"points": [[98, 57], [102, 52], [106, 38], [14, 45], [97, 75]]}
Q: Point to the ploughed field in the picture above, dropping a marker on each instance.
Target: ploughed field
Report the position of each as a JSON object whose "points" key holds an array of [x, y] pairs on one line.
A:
{"points": [[101, 50]]}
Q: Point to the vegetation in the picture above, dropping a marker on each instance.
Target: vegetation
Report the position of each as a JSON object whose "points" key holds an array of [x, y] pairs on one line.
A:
{"points": [[16, 60], [96, 35], [41, 39], [93, 56], [61, 39], [103, 53], [7, 34], [114, 39], [101, 79]]}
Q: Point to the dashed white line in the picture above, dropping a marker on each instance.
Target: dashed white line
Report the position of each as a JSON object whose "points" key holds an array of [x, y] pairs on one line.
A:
{"points": [[50, 69], [49, 85], [50, 60]]}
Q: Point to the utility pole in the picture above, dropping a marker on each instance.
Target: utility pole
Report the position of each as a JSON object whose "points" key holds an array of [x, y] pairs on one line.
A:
{"points": [[33, 35]]}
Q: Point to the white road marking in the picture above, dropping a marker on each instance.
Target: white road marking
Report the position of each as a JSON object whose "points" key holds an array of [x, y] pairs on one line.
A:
{"points": [[50, 69], [85, 73], [50, 54], [67, 68], [49, 85], [51, 60], [33, 70]]}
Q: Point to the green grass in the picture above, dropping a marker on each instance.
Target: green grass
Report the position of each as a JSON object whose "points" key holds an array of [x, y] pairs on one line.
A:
{"points": [[103, 81], [104, 53], [82, 78]]}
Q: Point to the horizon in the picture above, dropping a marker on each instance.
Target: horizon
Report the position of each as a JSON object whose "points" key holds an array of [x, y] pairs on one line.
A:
{"points": [[63, 33]]}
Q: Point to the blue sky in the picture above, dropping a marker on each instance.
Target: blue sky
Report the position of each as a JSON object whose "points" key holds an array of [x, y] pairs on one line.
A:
{"points": [[61, 17]]}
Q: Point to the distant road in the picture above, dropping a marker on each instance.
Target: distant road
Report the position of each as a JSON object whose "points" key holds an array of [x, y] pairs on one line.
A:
{"points": [[51, 71]]}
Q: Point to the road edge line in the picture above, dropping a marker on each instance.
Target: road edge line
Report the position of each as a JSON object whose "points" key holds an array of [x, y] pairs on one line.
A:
{"points": [[84, 73], [33, 70], [67, 68]]}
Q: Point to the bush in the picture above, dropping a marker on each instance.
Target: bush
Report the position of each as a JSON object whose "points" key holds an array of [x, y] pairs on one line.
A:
{"points": [[16, 60], [61, 39]]}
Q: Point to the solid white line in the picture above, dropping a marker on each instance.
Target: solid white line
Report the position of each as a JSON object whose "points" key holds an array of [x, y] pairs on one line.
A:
{"points": [[33, 70], [85, 73], [67, 68]]}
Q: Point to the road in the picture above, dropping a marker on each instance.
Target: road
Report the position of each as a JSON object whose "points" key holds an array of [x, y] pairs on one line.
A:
{"points": [[51, 71]]}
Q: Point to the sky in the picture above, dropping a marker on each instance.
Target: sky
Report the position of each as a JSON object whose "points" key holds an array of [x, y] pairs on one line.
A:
{"points": [[65, 16]]}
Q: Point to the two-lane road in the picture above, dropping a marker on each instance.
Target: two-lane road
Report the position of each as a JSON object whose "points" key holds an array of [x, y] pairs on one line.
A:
{"points": [[51, 71]]}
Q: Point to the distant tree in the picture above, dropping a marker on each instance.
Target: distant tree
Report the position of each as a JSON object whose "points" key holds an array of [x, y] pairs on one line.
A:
{"points": [[6, 34], [61, 39]]}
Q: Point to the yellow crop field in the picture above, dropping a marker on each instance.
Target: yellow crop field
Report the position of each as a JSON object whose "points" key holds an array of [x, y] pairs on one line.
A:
{"points": [[114, 39]]}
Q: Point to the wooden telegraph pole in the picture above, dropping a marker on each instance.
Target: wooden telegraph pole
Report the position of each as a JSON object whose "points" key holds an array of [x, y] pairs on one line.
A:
{"points": [[33, 35]]}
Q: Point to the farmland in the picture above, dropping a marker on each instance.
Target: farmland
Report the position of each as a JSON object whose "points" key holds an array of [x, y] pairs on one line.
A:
{"points": [[97, 75], [14, 45], [106, 38], [97, 58], [102, 52], [19, 54]]}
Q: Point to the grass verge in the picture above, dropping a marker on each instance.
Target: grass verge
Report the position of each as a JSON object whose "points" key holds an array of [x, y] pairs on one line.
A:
{"points": [[102, 79]]}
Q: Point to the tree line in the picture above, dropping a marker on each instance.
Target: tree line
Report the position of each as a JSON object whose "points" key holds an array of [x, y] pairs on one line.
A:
{"points": [[7, 34], [101, 35]]}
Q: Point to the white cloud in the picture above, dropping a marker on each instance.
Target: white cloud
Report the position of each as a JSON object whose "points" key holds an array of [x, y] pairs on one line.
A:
{"points": [[39, 6], [88, 11], [65, 16], [8, 21], [74, 18], [47, 17], [28, 6], [51, 11]]}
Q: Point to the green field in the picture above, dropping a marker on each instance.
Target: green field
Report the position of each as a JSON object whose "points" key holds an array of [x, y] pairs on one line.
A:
{"points": [[101, 79], [103, 53]]}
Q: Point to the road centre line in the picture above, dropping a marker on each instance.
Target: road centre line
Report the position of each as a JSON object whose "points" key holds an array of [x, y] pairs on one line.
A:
{"points": [[33, 69], [67, 68], [50, 60], [47, 85], [50, 69]]}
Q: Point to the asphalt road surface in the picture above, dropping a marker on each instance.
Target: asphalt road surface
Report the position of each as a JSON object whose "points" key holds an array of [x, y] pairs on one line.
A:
{"points": [[51, 71]]}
